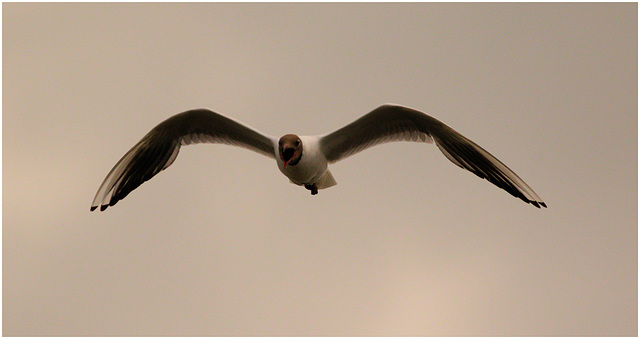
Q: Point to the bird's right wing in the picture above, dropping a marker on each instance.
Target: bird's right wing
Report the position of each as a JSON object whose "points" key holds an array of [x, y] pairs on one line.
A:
{"points": [[159, 148]]}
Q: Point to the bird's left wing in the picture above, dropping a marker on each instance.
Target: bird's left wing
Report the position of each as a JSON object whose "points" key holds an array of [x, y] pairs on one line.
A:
{"points": [[159, 148], [397, 123]]}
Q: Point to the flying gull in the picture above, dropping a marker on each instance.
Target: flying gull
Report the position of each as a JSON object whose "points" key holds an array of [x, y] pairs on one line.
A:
{"points": [[303, 159]]}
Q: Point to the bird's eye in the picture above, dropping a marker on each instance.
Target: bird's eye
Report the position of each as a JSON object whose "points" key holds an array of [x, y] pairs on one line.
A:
{"points": [[297, 143]]}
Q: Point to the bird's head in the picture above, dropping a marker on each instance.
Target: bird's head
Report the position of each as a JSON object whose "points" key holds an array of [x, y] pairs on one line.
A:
{"points": [[290, 150]]}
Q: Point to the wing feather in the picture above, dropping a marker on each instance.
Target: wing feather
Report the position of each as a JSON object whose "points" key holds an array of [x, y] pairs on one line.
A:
{"points": [[397, 123], [159, 148]]}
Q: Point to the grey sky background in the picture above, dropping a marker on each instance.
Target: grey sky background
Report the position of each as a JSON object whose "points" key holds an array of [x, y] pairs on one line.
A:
{"points": [[406, 244]]}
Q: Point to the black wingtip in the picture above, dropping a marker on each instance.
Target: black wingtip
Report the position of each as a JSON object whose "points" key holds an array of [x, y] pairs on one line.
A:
{"points": [[93, 208], [538, 204], [103, 207]]}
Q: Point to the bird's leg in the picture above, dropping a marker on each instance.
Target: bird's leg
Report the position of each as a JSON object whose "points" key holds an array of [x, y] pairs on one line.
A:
{"points": [[313, 188]]}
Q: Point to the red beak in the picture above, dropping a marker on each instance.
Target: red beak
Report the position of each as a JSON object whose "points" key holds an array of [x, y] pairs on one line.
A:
{"points": [[286, 156]]}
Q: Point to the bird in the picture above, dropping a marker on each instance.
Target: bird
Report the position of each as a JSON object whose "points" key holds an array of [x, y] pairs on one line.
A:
{"points": [[303, 159]]}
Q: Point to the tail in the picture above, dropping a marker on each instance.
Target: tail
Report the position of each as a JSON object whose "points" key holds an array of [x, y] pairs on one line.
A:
{"points": [[326, 180]]}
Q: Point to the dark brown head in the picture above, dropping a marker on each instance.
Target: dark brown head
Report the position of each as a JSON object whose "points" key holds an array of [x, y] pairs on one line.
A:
{"points": [[290, 149]]}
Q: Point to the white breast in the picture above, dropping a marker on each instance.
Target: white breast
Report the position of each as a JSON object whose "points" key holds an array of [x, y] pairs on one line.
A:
{"points": [[312, 165]]}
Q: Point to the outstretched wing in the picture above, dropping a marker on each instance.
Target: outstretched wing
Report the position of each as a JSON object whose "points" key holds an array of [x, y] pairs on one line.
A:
{"points": [[159, 148], [397, 123]]}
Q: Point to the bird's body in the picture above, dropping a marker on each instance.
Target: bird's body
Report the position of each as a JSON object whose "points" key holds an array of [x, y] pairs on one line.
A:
{"points": [[303, 159], [312, 166]]}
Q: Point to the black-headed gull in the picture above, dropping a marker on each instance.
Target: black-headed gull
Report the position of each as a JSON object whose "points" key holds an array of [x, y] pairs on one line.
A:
{"points": [[303, 159]]}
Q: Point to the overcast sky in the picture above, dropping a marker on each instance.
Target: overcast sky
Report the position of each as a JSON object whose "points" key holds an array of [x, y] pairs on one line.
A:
{"points": [[406, 244]]}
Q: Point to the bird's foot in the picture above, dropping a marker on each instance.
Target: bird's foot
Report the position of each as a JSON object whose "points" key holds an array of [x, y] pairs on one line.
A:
{"points": [[313, 188]]}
